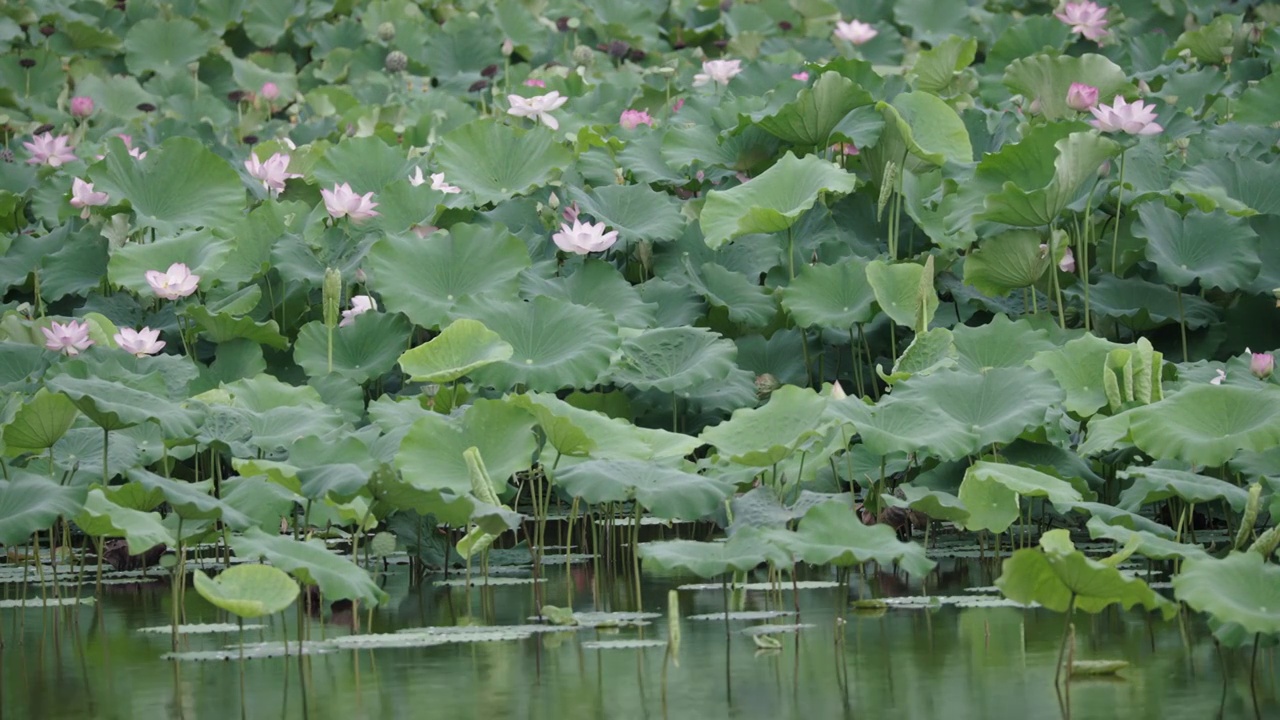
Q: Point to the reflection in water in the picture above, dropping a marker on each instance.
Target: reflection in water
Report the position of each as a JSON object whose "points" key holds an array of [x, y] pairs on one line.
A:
{"points": [[955, 663]]}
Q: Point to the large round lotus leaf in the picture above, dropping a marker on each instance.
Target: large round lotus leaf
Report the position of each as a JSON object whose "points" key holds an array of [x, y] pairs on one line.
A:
{"points": [[1047, 78], [1078, 367], [495, 161], [1052, 574], [165, 47], [927, 128], [671, 360], [928, 352], [763, 436], [637, 212], [747, 303], [746, 550], [202, 252], [991, 490], [367, 163], [1148, 544], [1155, 484], [314, 564], [1143, 305], [906, 427], [1206, 425], [574, 431], [905, 292], [817, 110], [114, 398], [1241, 588], [180, 184], [832, 534], [1216, 250], [835, 297], [555, 344], [100, 517], [774, 200], [362, 351], [595, 284], [431, 454], [1006, 262], [1029, 183], [999, 343], [1241, 186], [190, 501], [1260, 103], [666, 492], [220, 327], [427, 279], [460, 348], [248, 591], [29, 503], [937, 504], [39, 423], [936, 67]]}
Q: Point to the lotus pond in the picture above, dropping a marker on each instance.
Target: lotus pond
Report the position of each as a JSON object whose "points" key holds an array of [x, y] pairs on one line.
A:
{"points": [[358, 358]]}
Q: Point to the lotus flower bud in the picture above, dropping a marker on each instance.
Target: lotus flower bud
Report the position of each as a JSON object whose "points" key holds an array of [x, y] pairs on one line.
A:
{"points": [[508, 47], [81, 106], [387, 32], [396, 61], [1081, 97], [332, 296], [270, 91], [1261, 364]]}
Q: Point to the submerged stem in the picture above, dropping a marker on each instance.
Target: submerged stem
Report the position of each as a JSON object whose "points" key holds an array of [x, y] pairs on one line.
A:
{"points": [[1062, 648]]}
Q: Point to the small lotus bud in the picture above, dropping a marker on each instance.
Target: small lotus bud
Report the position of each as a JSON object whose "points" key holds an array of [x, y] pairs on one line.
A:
{"points": [[1261, 364], [332, 296], [582, 55], [387, 32], [1081, 97], [508, 47], [1104, 170], [81, 106], [270, 91], [1034, 107], [553, 202], [396, 61], [361, 277]]}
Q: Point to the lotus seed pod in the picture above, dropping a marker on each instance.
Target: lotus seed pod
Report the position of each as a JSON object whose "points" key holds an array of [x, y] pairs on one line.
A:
{"points": [[766, 384], [387, 32], [582, 56], [1250, 515], [397, 61], [382, 544], [332, 296]]}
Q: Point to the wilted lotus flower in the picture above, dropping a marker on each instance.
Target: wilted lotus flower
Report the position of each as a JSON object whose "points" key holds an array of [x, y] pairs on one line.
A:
{"points": [[139, 342], [1085, 18], [718, 71], [176, 282], [845, 148], [83, 196], [631, 119], [438, 183], [270, 91], [1261, 364], [801, 76], [582, 238], [1081, 97], [48, 150], [342, 200], [70, 338], [272, 174], [81, 106], [1134, 118], [1068, 262], [538, 107], [1222, 375], [360, 304], [855, 32]]}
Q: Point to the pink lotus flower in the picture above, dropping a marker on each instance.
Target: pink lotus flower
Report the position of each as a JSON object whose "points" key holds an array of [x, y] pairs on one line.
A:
{"points": [[1068, 262], [845, 148], [535, 82], [139, 342], [70, 338], [570, 213], [360, 304], [270, 91], [538, 107], [717, 71], [48, 150], [1085, 18], [855, 32], [342, 200], [83, 196], [675, 106], [272, 174], [631, 119], [1081, 97], [583, 238], [437, 182], [128, 144], [176, 282], [1261, 364], [1134, 118], [801, 76], [81, 106]]}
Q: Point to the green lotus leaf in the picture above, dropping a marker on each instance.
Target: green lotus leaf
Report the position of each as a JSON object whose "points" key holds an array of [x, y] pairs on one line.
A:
{"points": [[366, 163], [1047, 78], [122, 399], [928, 352], [666, 492], [991, 490], [773, 201], [401, 206], [362, 351], [835, 297], [312, 563], [39, 423], [1211, 43], [20, 363], [672, 360], [1078, 367], [393, 493], [577, 432], [762, 436], [555, 344], [933, 24], [431, 454], [199, 250], [1000, 343], [1151, 484], [495, 161], [1206, 425], [180, 184], [926, 128], [1216, 250], [637, 212], [1055, 573], [1259, 104], [809, 120], [746, 302], [165, 47], [743, 552], [906, 427], [937, 504], [460, 348], [248, 591], [99, 517], [936, 68], [1148, 544], [1241, 186], [1006, 262], [427, 279], [30, 503], [1241, 588], [220, 327], [905, 292], [831, 534], [188, 501], [595, 284]]}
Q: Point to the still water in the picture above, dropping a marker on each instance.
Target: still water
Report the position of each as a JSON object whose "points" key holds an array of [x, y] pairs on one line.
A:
{"points": [[970, 663]]}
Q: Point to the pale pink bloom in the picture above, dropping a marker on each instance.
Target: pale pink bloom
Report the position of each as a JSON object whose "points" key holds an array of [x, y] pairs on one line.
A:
{"points": [[342, 200], [801, 76], [46, 149], [583, 238], [1085, 18], [70, 338], [139, 342], [272, 174], [837, 392], [538, 107], [717, 71], [845, 148], [416, 178], [1261, 364], [270, 91], [83, 196], [1068, 262], [423, 230], [128, 144], [360, 304], [1134, 118], [81, 106], [176, 282], [1222, 375], [438, 183], [570, 213], [631, 119], [855, 31], [1081, 97], [535, 82]]}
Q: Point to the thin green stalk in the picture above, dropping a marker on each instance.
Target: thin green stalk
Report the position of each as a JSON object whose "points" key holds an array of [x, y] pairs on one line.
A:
{"points": [[1066, 630], [1182, 325], [1115, 237]]}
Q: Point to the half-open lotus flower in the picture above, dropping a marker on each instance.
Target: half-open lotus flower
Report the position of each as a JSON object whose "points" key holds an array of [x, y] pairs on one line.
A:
{"points": [[1068, 262], [1134, 118], [83, 196], [1261, 364], [343, 201], [139, 342], [855, 31], [70, 338], [176, 282], [538, 107], [360, 304], [717, 71], [438, 183], [272, 173], [1085, 18], [1081, 97], [582, 238], [631, 119], [46, 149]]}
